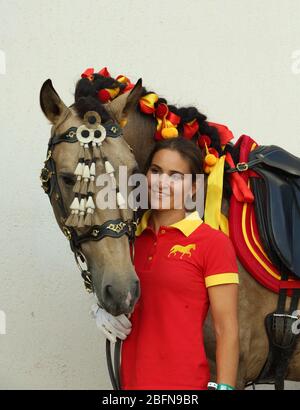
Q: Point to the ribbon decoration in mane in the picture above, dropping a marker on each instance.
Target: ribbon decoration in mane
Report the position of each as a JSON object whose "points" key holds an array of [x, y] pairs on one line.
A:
{"points": [[167, 123]]}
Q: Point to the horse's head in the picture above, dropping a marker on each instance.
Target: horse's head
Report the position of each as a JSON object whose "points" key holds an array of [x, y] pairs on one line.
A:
{"points": [[104, 244]]}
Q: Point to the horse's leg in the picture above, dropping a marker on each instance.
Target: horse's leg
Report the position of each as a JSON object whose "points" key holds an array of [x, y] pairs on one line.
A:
{"points": [[255, 302]]}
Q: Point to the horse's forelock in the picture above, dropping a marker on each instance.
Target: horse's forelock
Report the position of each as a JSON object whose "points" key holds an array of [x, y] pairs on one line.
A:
{"points": [[89, 103]]}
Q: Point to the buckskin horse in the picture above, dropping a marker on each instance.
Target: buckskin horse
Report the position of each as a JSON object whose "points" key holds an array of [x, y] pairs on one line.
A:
{"points": [[124, 118]]}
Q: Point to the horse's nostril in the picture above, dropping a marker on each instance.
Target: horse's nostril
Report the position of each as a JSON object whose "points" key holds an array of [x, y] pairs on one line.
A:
{"points": [[108, 293], [113, 297]]}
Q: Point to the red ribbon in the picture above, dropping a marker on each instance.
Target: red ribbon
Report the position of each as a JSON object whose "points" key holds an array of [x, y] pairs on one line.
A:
{"points": [[239, 186], [104, 72], [224, 132], [190, 128]]}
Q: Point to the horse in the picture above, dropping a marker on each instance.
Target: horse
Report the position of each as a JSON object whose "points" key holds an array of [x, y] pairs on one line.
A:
{"points": [[184, 250], [113, 275], [115, 282]]}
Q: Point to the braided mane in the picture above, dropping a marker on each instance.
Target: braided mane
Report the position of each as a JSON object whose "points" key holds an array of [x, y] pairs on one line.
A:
{"points": [[90, 88]]}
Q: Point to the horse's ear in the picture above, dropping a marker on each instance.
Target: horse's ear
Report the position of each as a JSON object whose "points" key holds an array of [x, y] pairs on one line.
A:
{"points": [[133, 97], [51, 104], [122, 105]]}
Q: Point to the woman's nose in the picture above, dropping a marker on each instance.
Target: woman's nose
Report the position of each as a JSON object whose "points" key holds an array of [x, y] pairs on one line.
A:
{"points": [[164, 181]]}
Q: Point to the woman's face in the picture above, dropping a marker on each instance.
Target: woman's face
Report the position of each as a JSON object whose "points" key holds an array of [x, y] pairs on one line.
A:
{"points": [[169, 180]]}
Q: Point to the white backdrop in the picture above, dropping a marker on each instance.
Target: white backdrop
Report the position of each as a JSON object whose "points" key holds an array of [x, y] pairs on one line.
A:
{"points": [[237, 61]]}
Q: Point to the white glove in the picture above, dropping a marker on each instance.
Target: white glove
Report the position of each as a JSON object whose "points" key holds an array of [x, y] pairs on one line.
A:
{"points": [[111, 326]]}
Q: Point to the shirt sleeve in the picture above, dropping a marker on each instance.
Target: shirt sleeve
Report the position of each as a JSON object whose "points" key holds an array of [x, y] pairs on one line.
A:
{"points": [[220, 265]]}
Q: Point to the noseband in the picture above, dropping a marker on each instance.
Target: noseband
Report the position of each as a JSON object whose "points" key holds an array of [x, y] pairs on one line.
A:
{"points": [[114, 228]]}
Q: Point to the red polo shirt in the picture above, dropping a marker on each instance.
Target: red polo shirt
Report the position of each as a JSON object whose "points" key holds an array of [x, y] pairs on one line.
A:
{"points": [[165, 348]]}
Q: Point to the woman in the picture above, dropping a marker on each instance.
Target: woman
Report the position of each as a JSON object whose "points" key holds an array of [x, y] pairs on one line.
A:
{"points": [[184, 266]]}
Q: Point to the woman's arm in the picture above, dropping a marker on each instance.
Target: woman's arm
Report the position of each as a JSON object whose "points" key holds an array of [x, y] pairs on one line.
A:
{"points": [[224, 302]]}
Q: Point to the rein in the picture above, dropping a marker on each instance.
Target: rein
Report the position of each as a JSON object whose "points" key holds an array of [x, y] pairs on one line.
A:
{"points": [[114, 228]]}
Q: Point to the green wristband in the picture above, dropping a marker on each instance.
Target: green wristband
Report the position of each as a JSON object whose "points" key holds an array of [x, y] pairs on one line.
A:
{"points": [[223, 386]]}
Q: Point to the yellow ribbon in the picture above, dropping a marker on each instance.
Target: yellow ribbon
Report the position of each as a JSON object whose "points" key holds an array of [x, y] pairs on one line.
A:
{"points": [[149, 100], [212, 213], [113, 92]]}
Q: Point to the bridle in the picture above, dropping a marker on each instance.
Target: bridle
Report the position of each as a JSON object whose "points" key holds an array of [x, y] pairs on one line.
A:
{"points": [[114, 228]]}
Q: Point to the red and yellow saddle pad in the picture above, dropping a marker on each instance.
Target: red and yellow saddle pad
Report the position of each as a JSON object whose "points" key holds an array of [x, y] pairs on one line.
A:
{"points": [[244, 233]]}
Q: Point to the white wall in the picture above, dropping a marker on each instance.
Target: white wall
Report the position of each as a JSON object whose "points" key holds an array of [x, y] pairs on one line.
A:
{"points": [[237, 61]]}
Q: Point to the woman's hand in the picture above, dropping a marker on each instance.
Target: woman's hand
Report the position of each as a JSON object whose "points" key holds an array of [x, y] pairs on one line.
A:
{"points": [[111, 326]]}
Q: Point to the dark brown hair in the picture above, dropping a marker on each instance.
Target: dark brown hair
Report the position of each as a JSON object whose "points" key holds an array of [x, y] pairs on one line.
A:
{"points": [[186, 148]]}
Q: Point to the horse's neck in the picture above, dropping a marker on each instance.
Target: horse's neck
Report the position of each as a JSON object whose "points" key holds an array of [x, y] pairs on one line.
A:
{"points": [[139, 134]]}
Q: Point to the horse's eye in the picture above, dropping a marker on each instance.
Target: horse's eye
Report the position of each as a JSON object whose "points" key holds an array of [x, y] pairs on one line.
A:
{"points": [[68, 179]]}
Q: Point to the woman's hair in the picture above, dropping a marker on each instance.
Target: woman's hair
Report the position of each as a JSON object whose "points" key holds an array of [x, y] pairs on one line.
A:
{"points": [[186, 148]]}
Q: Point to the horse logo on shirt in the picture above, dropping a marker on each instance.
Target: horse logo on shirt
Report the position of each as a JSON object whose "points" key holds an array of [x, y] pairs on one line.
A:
{"points": [[184, 250]]}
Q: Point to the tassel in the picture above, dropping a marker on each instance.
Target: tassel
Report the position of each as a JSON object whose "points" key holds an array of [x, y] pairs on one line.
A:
{"points": [[83, 187], [75, 204], [108, 167], [91, 188], [82, 205], [75, 219], [90, 203], [81, 220], [76, 187], [86, 172], [79, 169], [93, 169], [70, 219], [82, 208], [88, 219]]}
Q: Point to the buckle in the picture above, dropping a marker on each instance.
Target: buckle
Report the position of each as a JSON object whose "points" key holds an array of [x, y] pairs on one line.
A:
{"points": [[67, 232], [87, 280], [242, 166], [45, 175]]}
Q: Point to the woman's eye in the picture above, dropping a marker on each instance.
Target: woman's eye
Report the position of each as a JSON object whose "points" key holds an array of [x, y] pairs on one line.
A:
{"points": [[176, 177], [154, 171]]}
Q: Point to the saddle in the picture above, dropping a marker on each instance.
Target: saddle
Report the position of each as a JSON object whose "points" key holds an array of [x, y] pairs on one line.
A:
{"points": [[265, 230], [277, 204]]}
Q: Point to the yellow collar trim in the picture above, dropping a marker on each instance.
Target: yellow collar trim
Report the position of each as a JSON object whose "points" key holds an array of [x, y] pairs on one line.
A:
{"points": [[186, 225]]}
